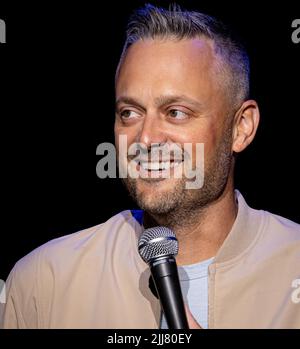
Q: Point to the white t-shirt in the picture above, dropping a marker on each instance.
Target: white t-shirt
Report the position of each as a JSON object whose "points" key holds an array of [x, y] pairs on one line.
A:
{"points": [[194, 286]]}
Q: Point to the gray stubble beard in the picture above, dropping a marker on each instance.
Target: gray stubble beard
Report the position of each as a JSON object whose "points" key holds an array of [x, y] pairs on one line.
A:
{"points": [[180, 206]]}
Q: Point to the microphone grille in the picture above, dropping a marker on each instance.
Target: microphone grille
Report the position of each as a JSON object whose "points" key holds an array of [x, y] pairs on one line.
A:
{"points": [[157, 242]]}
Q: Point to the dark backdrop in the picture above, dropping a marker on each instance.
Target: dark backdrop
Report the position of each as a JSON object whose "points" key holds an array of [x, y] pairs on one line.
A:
{"points": [[58, 77]]}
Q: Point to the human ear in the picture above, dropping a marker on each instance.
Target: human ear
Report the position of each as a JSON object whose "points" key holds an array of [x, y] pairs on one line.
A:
{"points": [[245, 125]]}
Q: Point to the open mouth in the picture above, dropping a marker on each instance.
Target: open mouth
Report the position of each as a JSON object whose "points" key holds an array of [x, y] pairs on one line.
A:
{"points": [[157, 169], [159, 165]]}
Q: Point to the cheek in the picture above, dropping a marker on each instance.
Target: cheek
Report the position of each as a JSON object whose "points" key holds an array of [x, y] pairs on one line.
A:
{"points": [[207, 136], [117, 133], [210, 145], [124, 136]]}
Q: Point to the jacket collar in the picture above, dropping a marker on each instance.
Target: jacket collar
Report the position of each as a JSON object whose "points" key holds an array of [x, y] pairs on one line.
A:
{"points": [[242, 235]]}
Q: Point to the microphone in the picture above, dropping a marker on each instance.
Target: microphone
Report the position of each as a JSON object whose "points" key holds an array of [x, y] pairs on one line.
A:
{"points": [[158, 247]]}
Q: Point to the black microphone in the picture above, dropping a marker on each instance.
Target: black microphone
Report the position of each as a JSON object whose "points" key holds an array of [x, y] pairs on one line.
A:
{"points": [[158, 247]]}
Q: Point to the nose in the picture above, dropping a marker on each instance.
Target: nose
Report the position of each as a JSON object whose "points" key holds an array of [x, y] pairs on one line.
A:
{"points": [[152, 131]]}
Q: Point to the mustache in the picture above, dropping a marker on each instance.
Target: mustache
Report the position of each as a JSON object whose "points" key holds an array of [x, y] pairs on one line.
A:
{"points": [[157, 152]]}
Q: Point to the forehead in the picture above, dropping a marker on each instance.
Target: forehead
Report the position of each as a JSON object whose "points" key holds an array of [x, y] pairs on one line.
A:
{"points": [[188, 62], [188, 48]]}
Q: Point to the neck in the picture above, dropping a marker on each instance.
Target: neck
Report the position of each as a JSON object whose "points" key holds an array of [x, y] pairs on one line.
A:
{"points": [[204, 235], [210, 229]]}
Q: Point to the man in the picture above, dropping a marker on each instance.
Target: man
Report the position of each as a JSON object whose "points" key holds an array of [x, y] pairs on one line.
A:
{"points": [[181, 79]]}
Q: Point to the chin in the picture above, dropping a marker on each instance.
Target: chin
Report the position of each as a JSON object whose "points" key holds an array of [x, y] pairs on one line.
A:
{"points": [[158, 199], [155, 208]]}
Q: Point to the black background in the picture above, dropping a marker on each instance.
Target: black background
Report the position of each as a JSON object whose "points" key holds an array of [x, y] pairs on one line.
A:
{"points": [[57, 105]]}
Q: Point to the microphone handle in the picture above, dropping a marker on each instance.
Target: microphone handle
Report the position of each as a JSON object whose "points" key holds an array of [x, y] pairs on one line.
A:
{"points": [[165, 276]]}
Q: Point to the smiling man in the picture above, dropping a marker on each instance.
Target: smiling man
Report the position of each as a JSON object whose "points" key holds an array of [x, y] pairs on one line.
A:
{"points": [[181, 80], [175, 91]]}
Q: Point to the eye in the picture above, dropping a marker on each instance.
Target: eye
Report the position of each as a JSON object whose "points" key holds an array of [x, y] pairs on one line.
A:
{"points": [[128, 114], [177, 114]]}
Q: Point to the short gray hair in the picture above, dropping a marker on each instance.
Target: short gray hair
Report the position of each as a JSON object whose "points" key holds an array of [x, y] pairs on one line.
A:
{"points": [[150, 22]]}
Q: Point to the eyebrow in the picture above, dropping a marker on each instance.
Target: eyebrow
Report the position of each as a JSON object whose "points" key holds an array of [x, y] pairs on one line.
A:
{"points": [[160, 101]]}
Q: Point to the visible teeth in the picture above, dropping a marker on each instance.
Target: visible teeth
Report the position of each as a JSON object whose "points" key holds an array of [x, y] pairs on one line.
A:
{"points": [[150, 165], [165, 165], [174, 163], [156, 166]]}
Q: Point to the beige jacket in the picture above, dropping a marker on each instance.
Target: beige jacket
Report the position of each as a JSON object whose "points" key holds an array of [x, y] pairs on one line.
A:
{"points": [[96, 279]]}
